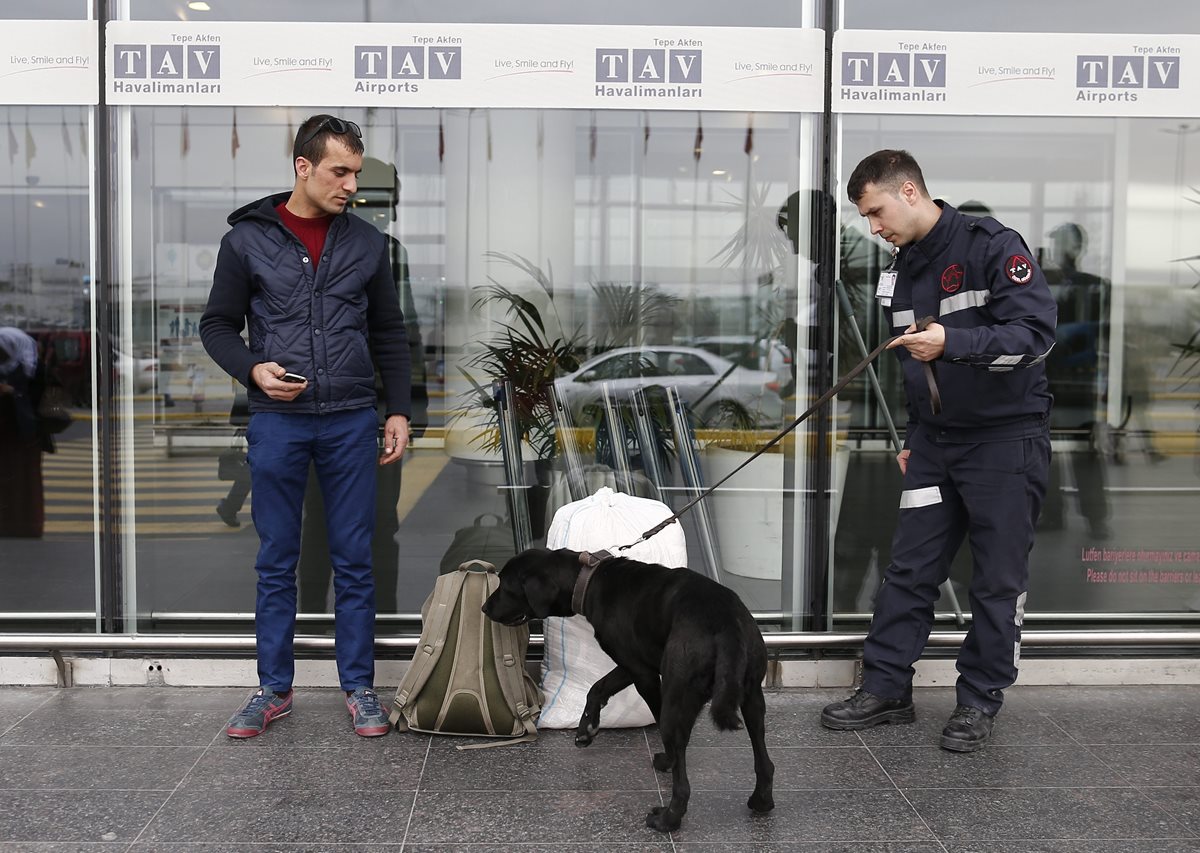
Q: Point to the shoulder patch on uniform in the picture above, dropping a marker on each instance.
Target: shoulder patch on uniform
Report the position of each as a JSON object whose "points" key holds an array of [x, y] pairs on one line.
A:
{"points": [[952, 278], [1019, 269]]}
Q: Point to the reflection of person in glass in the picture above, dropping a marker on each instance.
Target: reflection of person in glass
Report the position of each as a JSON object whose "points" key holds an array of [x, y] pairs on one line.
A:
{"points": [[856, 549], [1073, 369], [976, 468], [239, 488], [376, 200], [316, 286], [1143, 347], [821, 209], [22, 499]]}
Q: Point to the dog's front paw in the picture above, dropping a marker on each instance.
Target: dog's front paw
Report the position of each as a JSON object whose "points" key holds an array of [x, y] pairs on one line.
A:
{"points": [[662, 762], [761, 802], [585, 734], [589, 726], [660, 818]]}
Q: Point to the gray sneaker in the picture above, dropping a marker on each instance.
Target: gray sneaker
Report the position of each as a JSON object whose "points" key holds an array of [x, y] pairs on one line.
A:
{"points": [[264, 706], [370, 720]]}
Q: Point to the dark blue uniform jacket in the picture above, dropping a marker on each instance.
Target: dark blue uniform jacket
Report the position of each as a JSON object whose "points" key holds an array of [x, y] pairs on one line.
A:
{"points": [[979, 280], [324, 326]]}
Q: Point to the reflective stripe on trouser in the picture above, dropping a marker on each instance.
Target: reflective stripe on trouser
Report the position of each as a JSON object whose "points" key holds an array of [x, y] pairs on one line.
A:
{"points": [[343, 448], [993, 492]]}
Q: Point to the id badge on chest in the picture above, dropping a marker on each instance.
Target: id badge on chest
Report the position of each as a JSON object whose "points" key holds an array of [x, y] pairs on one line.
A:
{"points": [[886, 287]]}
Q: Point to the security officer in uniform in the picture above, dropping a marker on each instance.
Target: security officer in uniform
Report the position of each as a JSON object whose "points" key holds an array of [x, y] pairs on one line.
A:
{"points": [[975, 463]]}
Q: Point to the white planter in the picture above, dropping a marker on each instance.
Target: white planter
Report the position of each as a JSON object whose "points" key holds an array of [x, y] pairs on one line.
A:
{"points": [[747, 511]]}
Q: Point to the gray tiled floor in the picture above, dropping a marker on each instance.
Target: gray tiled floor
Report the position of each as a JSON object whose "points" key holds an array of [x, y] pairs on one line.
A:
{"points": [[1070, 769]]}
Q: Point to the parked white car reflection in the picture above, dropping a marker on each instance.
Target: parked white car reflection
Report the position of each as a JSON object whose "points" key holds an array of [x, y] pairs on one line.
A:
{"points": [[748, 351], [717, 390]]}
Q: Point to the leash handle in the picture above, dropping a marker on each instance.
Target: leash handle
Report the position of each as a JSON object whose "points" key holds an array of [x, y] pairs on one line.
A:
{"points": [[850, 376]]}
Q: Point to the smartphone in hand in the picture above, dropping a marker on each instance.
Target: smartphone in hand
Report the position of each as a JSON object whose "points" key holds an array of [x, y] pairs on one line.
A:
{"points": [[292, 377]]}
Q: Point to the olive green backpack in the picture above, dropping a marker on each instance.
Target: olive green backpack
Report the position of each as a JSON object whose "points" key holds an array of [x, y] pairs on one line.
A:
{"points": [[468, 674]]}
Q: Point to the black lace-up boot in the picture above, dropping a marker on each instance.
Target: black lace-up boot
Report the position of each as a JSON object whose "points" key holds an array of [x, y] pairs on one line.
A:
{"points": [[864, 710], [967, 730]]}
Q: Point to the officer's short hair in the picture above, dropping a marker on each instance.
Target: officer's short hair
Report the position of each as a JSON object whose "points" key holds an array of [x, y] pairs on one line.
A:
{"points": [[886, 169]]}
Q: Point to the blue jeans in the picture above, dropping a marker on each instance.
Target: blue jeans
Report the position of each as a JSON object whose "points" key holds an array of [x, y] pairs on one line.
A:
{"points": [[345, 451]]}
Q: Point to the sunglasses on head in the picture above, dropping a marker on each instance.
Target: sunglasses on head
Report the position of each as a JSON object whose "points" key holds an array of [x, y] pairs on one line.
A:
{"points": [[334, 125]]}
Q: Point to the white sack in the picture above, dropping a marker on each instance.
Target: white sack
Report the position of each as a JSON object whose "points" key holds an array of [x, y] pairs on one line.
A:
{"points": [[573, 661]]}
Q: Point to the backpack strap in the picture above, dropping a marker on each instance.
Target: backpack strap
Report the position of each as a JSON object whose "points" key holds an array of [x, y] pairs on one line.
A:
{"points": [[510, 672], [510, 669], [436, 616]]}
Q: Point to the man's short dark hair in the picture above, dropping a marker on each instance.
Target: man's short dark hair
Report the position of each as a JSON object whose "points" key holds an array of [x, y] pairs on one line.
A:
{"points": [[311, 146], [887, 169]]}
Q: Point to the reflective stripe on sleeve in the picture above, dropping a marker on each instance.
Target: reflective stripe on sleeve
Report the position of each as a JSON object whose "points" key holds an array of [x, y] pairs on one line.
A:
{"points": [[964, 300]]}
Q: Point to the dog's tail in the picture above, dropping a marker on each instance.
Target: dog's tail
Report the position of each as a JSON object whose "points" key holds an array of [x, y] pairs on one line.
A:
{"points": [[729, 676]]}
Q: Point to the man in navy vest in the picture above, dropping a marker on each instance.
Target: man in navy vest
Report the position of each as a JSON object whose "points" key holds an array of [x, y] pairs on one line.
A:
{"points": [[976, 464], [314, 285]]}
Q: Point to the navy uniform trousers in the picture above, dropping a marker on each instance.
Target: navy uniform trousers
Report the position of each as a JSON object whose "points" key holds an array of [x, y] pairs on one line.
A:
{"points": [[957, 485]]}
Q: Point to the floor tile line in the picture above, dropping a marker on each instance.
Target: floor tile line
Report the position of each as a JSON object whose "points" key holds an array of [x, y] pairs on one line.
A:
{"points": [[316, 845], [178, 785], [1140, 743], [937, 839], [524, 791], [657, 783], [26, 716], [849, 842], [1018, 787], [91, 790], [1168, 787], [1033, 839], [1054, 722], [416, 794], [785, 747], [794, 790], [107, 747], [1140, 792]]}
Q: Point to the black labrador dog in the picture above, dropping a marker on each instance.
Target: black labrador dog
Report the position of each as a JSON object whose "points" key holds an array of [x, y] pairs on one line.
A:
{"points": [[678, 637]]}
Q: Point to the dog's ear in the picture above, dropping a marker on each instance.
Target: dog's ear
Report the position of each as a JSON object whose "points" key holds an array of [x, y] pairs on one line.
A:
{"points": [[541, 583], [539, 592]]}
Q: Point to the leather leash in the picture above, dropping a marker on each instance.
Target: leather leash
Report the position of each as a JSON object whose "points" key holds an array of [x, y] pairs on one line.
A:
{"points": [[592, 560]]}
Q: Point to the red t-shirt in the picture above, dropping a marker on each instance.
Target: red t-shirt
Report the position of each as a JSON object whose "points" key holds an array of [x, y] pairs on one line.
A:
{"points": [[312, 232]]}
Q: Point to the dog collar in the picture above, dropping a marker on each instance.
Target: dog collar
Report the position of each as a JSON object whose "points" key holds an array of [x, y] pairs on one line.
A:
{"points": [[590, 561]]}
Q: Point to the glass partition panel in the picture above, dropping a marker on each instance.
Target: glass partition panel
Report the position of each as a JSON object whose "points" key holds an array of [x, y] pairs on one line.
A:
{"points": [[523, 241], [1107, 206], [48, 545], [584, 253]]}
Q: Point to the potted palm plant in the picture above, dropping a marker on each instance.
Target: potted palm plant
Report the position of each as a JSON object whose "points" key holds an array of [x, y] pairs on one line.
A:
{"points": [[530, 348]]}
